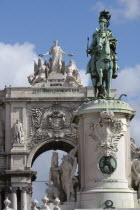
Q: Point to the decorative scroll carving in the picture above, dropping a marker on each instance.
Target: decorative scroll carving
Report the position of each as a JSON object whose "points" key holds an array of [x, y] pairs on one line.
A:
{"points": [[107, 130], [37, 116], [53, 122]]}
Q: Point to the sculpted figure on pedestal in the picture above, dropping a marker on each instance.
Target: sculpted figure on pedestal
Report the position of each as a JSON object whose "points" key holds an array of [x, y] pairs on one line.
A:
{"points": [[73, 76], [18, 132], [56, 63], [103, 63]]}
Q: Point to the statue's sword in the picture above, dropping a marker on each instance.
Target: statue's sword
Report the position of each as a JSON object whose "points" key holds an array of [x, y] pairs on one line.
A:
{"points": [[87, 45]]}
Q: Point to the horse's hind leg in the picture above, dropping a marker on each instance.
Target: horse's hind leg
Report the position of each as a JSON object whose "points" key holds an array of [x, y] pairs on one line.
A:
{"points": [[109, 78], [94, 87]]}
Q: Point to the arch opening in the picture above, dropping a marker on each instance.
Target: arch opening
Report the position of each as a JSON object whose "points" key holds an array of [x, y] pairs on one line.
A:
{"points": [[53, 145], [41, 163]]}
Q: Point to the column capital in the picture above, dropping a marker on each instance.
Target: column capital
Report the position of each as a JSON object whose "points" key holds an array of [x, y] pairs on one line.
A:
{"points": [[13, 189], [23, 189], [26, 189]]}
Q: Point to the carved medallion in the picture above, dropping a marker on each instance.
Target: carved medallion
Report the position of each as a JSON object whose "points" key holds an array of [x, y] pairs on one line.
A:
{"points": [[107, 165]]}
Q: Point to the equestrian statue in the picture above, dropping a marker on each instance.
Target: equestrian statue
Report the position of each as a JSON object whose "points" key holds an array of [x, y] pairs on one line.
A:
{"points": [[103, 63]]}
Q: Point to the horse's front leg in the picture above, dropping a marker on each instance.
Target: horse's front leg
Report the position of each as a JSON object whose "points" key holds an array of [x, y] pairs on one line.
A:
{"points": [[109, 78], [100, 73]]}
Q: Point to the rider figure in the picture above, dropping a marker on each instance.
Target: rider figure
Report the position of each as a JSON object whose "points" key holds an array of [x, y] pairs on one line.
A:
{"points": [[93, 49]]}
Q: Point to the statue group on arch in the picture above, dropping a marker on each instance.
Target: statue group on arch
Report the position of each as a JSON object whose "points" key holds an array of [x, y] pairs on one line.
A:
{"points": [[44, 70], [63, 182]]}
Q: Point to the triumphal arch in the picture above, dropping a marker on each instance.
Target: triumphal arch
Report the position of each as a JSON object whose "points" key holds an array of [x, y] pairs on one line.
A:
{"points": [[36, 119]]}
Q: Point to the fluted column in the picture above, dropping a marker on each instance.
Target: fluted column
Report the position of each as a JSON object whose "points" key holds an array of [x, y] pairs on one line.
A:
{"points": [[24, 199], [14, 198]]}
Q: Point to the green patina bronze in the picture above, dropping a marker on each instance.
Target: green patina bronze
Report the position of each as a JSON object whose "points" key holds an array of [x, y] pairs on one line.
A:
{"points": [[100, 105], [103, 63], [107, 164]]}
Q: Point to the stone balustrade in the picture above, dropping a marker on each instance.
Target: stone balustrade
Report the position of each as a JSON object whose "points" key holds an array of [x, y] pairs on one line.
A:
{"points": [[45, 205]]}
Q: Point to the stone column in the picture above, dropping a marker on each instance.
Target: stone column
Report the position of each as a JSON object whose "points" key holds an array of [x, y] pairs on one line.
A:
{"points": [[24, 199], [14, 198]]}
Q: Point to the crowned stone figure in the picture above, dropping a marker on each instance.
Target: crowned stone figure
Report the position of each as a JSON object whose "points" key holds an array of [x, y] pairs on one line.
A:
{"points": [[103, 63]]}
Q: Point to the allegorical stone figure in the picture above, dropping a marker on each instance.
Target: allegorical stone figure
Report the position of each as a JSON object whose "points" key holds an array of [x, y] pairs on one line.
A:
{"points": [[67, 171], [73, 75], [18, 132], [103, 63], [56, 60], [40, 73], [135, 170]]}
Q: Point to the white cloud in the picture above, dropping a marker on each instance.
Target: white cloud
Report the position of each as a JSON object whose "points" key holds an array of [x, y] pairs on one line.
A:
{"points": [[126, 9], [16, 63], [85, 78], [128, 82], [131, 8]]}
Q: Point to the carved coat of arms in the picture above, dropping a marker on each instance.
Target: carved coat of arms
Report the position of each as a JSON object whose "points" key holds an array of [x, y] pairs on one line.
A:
{"points": [[53, 122]]}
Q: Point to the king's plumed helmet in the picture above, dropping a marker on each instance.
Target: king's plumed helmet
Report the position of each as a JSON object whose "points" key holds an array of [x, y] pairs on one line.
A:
{"points": [[105, 16]]}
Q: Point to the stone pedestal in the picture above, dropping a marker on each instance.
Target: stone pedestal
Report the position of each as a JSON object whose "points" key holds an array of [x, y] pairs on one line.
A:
{"points": [[104, 155]]}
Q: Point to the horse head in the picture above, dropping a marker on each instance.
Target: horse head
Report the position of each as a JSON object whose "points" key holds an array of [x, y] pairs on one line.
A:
{"points": [[103, 43]]}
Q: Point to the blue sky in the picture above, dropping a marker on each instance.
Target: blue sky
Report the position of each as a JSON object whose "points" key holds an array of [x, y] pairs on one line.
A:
{"points": [[29, 27], [71, 22]]}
